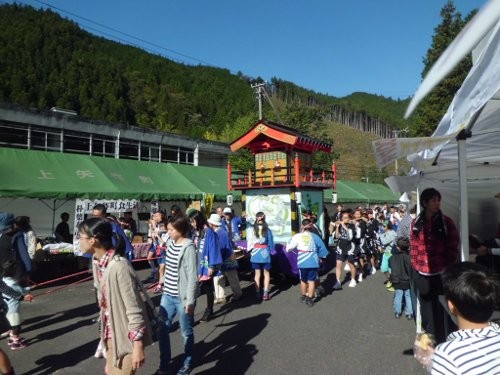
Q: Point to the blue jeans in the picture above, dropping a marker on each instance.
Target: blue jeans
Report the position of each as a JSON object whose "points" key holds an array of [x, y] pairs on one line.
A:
{"points": [[398, 300], [13, 304], [169, 307]]}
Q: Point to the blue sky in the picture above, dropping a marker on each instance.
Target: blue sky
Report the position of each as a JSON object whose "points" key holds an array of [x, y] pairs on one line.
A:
{"points": [[334, 47]]}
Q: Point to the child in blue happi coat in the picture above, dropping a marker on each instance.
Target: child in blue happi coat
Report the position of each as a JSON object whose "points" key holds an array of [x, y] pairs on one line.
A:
{"points": [[311, 249], [261, 244]]}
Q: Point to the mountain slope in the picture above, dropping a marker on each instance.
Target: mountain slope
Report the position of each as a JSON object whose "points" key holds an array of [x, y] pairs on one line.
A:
{"points": [[49, 61]]}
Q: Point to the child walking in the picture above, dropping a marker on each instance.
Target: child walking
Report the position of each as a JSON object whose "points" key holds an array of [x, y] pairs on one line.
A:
{"points": [[400, 266], [261, 244], [310, 249]]}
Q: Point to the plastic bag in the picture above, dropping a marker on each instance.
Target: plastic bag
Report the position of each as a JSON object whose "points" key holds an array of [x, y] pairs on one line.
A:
{"points": [[423, 349]]}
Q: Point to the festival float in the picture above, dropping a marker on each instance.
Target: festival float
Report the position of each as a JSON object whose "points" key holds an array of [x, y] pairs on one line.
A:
{"points": [[283, 184]]}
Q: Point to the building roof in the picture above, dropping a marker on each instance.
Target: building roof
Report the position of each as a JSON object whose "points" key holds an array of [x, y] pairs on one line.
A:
{"points": [[266, 135]]}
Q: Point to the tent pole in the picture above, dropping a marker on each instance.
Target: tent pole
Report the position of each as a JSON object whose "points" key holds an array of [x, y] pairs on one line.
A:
{"points": [[462, 183], [53, 207], [53, 216], [464, 204]]}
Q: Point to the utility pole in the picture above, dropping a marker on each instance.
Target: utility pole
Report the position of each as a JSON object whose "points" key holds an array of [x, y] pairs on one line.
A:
{"points": [[396, 135], [259, 90]]}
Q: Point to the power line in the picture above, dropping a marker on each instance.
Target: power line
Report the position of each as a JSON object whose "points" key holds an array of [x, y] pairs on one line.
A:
{"points": [[125, 34]]}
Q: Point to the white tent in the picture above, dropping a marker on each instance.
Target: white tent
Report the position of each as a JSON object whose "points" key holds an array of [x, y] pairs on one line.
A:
{"points": [[462, 158]]}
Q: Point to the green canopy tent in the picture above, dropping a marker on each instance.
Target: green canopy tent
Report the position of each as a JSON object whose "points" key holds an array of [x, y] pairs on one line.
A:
{"points": [[361, 192], [39, 174], [207, 179], [55, 178], [375, 193]]}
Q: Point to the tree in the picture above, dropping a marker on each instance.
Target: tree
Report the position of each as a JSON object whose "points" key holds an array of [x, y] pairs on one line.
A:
{"points": [[434, 106]]}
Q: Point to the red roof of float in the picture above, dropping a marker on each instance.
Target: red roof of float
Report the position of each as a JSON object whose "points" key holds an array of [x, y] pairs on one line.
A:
{"points": [[268, 136]]}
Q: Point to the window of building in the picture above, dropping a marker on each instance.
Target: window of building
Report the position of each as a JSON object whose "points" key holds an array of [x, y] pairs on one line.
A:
{"points": [[103, 146], [129, 150], [169, 154], [75, 143], [45, 140], [13, 136], [150, 152], [49, 139]]}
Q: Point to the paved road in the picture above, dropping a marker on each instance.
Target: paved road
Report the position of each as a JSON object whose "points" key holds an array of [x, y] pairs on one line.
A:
{"points": [[351, 331]]}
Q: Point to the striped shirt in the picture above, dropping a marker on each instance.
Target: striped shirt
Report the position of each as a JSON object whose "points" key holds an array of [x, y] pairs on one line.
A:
{"points": [[171, 280], [471, 351]]}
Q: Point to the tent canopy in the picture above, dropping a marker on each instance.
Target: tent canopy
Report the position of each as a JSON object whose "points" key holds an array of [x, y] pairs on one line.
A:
{"points": [[52, 175], [40, 174], [361, 192], [471, 124], [207, 179]]}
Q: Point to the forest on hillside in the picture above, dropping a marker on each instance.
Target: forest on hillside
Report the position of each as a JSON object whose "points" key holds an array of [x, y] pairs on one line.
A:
{"points": [[48, 61]]}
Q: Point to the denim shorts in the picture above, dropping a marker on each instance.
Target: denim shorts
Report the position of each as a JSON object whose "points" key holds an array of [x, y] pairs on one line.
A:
{"points": [[308, 274], [261, 266]]}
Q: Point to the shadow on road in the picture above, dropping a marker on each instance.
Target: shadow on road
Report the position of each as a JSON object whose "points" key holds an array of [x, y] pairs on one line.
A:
{"points": [[69, 359], [48, 335], [42, 321], [230, 351]]}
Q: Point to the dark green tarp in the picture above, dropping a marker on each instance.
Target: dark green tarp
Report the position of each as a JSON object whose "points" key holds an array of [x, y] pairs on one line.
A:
{"points": [[40, 174], [207, 179], [361, 192]]}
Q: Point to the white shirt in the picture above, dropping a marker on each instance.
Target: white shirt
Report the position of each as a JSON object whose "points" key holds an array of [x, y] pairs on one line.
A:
{"points": [[469, 351]]}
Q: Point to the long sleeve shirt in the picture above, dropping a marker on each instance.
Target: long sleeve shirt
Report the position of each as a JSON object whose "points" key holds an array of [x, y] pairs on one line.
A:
{"points": [[430, 251], [310, 248], [209, 253], [21, 251]]}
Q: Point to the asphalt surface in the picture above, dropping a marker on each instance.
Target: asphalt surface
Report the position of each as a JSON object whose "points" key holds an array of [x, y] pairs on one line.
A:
{"points": [[351, 331]]}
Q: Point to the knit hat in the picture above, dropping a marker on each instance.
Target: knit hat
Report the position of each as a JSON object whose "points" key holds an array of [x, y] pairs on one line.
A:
{"points": [[6, 221]]}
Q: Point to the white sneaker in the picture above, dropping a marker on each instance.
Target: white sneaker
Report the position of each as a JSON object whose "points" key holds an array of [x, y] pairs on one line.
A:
{"points": [[337, 286], [360, 277], [352, 283], [374, 270]]}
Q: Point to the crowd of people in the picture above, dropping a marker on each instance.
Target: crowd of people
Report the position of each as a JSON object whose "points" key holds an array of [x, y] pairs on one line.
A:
{"points": [[192, 253]]}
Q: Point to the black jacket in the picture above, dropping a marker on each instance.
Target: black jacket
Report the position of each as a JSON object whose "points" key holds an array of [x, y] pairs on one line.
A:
{"points": [[400, 265]]}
